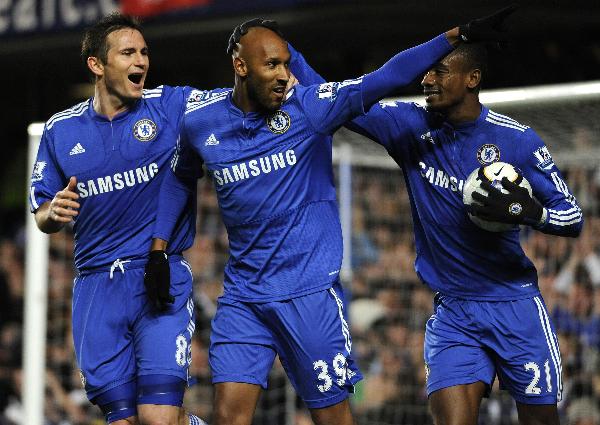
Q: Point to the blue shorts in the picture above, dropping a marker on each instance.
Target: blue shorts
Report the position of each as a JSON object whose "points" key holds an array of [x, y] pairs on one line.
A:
{"points": [[310, 335], [119, 336], [469, 341]]}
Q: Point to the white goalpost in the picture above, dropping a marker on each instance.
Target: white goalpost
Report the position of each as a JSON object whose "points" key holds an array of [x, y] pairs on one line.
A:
{"points": [[356, 161], [35, 303]]}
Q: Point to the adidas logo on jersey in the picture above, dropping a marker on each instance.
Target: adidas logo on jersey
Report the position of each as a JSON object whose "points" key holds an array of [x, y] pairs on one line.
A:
{"points": [[211, 141], [77, 149]]}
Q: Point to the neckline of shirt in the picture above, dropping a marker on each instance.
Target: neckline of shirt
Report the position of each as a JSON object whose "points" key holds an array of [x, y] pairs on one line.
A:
{"points": [[469, 124], [120, 116]]}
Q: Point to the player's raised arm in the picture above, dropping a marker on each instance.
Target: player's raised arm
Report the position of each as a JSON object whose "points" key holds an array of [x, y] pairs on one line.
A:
{"points": [[404, 68], [407, 65]]}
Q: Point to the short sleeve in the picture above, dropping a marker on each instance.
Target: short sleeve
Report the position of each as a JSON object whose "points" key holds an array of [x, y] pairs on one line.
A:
{"points": [[46, 178]]}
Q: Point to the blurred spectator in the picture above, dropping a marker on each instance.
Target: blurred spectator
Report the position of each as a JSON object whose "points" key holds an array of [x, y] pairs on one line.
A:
{"points": [[583, 411]]}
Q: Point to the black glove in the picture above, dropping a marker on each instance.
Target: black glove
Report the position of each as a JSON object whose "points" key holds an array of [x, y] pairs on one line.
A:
{"points": [[490, 28], [157, 280], [515, 207]]}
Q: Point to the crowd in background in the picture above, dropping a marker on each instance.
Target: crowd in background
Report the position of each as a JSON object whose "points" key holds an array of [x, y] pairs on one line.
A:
{"points": [[388, 311]]}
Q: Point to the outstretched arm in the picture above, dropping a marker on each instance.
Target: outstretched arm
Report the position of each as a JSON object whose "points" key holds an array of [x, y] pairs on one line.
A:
{"points": [[406, 66]]}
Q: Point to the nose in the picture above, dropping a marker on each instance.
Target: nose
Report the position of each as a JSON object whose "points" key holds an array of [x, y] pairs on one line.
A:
{"points": [[283, 74], [428, 79], [141, 60]]}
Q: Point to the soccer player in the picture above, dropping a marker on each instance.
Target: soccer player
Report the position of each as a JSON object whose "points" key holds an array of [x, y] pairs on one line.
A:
{"points": [[270, 158], [489, 316], [100, 164]]}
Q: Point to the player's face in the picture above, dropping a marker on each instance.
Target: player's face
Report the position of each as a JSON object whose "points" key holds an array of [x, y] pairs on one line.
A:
{"points": [[126, 65], [268, 71], [445, 85]]}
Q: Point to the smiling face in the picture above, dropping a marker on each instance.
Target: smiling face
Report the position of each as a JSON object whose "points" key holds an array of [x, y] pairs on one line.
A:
{"points": [[263, 63], [124, 73], [449, 82]]}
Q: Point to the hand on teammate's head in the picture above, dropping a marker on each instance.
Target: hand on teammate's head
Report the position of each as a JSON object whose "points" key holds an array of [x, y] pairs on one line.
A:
{"points": [[488, 29]]}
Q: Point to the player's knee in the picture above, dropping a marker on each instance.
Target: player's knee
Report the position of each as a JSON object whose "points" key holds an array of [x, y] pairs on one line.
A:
{"points": [[228, 416], [337, 414], [155, 419], [159, 400]]}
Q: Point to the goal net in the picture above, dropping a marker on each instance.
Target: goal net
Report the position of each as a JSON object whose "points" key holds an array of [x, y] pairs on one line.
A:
{"points": [[389, 305]]}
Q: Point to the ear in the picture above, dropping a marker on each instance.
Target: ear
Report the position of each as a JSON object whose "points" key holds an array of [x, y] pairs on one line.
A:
{"points": [[96, 66], [474, 78], [239, 66]]}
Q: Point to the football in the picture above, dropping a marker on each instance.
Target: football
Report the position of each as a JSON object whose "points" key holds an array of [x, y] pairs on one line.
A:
{"points": [[493, 173]]}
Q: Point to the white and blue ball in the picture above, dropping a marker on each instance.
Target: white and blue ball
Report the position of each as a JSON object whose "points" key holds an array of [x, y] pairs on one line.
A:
{"points": [[493, 173]]}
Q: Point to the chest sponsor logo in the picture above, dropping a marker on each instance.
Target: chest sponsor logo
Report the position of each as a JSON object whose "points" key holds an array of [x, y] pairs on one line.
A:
{"points": [[441, 179], [255, 167], [544, 159], [38, 171], [279, 122], [488, 153], [144, 130], [117, 181]]}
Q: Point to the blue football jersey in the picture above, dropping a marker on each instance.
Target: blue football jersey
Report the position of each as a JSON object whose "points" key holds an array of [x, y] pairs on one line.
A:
{"points": [[119, 165], [454, 256], [274, 182]]}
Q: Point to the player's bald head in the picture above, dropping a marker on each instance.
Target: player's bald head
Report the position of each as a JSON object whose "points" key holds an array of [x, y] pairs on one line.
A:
{"points": [[260, 42], [268, 32]]}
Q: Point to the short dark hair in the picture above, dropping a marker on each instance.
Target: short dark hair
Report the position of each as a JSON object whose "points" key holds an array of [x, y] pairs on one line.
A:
{"points": [[242, 29], [474, 56], [94, 39]]}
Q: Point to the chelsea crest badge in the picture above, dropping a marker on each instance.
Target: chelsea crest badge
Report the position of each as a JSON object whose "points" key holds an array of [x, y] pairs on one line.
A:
{"points": [[487, 154], [279, 122], [144, 130]]}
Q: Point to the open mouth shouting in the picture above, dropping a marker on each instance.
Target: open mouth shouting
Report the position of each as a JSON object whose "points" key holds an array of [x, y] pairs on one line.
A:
{"points": [[136, 78]]}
